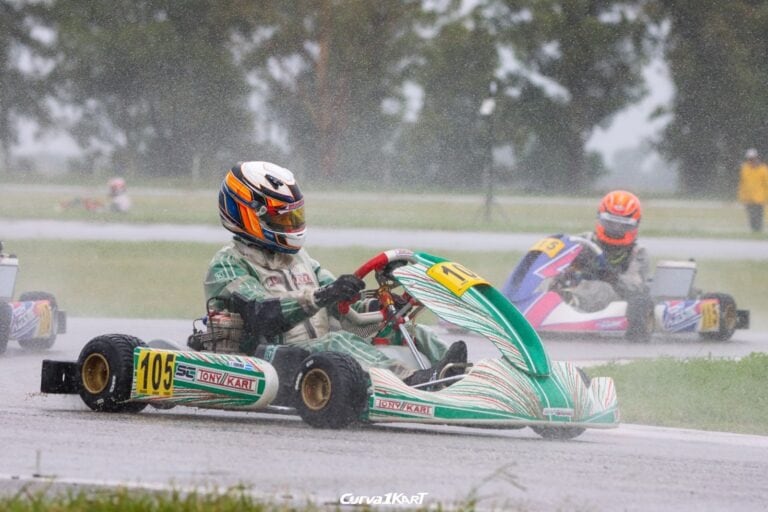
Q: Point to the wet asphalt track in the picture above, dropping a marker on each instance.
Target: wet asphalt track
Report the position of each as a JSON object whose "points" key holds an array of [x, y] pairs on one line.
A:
{"points": [[629, 468]]}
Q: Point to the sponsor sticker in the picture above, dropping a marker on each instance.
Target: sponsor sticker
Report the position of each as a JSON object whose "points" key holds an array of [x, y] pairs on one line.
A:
{"points": [[243, 365], [403, 406], [225, 380], [710, 316], [562, 412]]}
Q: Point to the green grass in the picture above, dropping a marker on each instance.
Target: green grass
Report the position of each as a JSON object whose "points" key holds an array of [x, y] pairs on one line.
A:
{"points": [[413, 211], [164, 280], [707, 394], [161, 279], [125, 500]]}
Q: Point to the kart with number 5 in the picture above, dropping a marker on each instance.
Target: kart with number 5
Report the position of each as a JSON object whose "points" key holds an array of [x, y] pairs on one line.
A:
{"points": [[521, 387], [540, 285]]}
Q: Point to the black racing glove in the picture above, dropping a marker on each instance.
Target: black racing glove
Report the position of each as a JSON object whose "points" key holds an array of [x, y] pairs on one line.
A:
{"points": [[345, 288]]}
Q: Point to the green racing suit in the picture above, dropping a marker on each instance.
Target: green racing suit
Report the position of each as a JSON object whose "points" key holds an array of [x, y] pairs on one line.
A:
{"points": [[282, 286]]}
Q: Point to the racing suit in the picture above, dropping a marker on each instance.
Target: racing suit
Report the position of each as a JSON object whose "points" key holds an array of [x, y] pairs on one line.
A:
{"points": [[283, 286], [622, 276]]}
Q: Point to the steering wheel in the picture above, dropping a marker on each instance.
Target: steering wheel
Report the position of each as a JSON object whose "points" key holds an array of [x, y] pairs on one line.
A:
{"points": [[584, 266], [382, 264]]}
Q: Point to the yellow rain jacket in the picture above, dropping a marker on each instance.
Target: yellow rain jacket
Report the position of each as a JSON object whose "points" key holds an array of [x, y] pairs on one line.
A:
{"points": [[753, 183]]}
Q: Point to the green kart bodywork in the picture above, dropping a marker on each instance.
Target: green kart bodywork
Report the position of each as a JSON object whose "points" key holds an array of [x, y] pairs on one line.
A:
{"points": [[521, 387]]}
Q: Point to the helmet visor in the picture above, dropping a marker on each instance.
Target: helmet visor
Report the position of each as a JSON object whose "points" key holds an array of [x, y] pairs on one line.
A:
{"points": [[286, 219], [616, 226]]}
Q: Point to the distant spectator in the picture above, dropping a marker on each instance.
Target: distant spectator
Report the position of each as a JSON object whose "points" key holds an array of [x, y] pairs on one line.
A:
{"points": [[118, 195], [753, 188], [118, 199]]}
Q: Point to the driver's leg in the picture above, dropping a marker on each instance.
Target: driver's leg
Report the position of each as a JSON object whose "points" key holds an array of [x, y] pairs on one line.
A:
{"points": [[428, 342], [363, 352]]}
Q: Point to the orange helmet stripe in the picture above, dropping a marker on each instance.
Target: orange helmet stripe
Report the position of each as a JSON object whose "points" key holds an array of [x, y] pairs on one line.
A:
{"points": [[238, 187], [250, 221]]}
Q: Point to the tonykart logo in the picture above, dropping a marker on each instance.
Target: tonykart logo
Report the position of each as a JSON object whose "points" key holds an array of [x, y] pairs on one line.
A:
{"points": [[390, 498], [403, 406], [225, 380]]}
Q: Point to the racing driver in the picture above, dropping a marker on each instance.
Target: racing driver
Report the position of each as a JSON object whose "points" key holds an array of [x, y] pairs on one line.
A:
{"points": [[621, 272], [282, 294]]}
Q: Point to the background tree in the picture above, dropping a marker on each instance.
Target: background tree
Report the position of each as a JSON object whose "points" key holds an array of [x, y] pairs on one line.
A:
{"points": [[717, 54], [22, 92], [450, 142], [330, 67], [155, 82], [581, 64]]}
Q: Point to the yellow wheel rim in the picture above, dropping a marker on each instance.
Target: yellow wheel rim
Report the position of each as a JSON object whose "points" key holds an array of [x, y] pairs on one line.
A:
{"points": [[95, 373], [316, 389]]}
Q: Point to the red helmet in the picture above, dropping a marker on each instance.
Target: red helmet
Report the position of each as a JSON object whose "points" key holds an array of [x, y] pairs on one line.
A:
{"points": [[618, 218]]}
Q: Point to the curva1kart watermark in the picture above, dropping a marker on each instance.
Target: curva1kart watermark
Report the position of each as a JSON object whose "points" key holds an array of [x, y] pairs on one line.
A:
{"points": [[390, 498]]}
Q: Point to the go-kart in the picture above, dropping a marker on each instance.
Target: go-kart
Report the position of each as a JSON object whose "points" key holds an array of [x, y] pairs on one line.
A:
{"points": [[34, 319], [521, 387], [541, 283]]}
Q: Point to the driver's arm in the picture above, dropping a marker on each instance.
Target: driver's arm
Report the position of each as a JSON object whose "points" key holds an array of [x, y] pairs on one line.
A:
{"points": [[325, 277], [634, 281]]}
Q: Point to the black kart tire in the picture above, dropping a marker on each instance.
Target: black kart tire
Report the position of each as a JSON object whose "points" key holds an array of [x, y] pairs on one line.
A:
{"points": [[105, 372], [564, 433], [640, 320], [6, 316], [40, 343], [559, 433], [728, 317], [331, 390]]}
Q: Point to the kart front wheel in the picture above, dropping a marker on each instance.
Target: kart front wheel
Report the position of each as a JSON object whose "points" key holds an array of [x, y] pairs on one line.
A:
{"points": [[105, 372], [640, 319], [728, 317], [559, 433], [331, 390]]}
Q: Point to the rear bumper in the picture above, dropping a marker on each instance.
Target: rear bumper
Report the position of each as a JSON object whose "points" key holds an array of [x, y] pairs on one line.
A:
{"points": [[742, 319], [61, 322], [59, 377]]}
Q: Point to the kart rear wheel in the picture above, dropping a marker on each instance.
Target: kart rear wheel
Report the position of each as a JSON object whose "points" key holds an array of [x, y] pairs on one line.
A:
{"points": [[727, 320], [6, 316], [331, 390], [40, 343], [105, 372]]}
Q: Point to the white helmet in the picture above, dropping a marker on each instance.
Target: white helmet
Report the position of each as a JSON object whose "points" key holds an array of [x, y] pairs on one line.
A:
{"points": [[751, 153], [261, 203]]}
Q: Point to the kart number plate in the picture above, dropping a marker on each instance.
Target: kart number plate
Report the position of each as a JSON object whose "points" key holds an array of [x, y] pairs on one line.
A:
{"points": [[154, 373], [457, 278], [549, 246], [710, 318]]}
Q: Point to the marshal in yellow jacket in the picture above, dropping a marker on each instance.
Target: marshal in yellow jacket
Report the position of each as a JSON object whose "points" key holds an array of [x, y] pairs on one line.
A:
{"points": [[753, 183]]}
